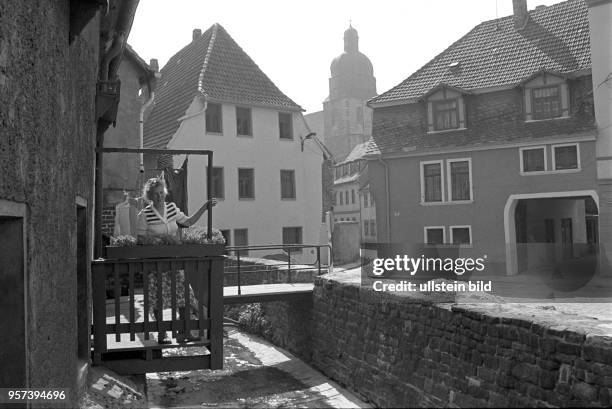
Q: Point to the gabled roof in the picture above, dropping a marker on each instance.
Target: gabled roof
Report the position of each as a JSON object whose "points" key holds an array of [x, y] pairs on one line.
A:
{"points": [[215, 67], [495, 54], [356, 153]]}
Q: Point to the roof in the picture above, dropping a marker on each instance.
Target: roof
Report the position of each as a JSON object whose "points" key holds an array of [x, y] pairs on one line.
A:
{"points": [[214, 66], [356, 153], [131, 53], [495, 54]]}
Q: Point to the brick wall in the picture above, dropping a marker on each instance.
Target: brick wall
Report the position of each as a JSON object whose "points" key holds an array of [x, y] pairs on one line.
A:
{"points": [[108, 220], [396, 352]]}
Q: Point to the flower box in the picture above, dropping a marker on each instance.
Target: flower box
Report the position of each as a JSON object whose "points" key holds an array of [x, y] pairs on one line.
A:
{"points": [[165, 251]]}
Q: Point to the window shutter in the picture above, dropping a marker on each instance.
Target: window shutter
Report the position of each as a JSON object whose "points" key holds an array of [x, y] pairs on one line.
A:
{"points": [[564, 100], [430, 124], [527, 94], [461, 107]]}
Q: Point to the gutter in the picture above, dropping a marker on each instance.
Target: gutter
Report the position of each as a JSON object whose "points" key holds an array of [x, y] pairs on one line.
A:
{"points": [[388, 221], [143, 108]]}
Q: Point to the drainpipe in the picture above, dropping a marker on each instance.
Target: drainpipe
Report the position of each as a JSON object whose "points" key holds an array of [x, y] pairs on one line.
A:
{"points": [[388, 221], [143, 108]]}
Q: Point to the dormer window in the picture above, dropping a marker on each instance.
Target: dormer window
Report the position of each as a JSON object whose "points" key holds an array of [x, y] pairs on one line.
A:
{"points": [[446, 115], [445, 110], [546, 97], [546, 102]]}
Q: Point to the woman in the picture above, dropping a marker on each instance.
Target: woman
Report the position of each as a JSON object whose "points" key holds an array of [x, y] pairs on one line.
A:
{"points": [[164, 219]]}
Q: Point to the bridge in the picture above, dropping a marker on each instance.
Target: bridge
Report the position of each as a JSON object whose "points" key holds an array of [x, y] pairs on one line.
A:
{"points": [[127, 318]]}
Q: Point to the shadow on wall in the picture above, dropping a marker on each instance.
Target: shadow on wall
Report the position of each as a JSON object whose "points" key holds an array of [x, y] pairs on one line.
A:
{"points": [[346, 240]]}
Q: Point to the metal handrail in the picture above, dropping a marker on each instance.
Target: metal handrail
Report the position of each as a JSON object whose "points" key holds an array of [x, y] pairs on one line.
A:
{"points": [[285, 247]]}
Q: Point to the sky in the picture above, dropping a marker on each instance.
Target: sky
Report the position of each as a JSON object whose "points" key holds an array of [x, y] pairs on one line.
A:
{"points": [[294, 42]]}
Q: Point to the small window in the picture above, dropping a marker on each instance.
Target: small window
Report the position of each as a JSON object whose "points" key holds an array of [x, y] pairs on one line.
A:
{"points": [[346, 196], [227, 236], [244, 123], [446, 114], [285, 125], [461, 234], [292, 235], [341, 198], [366, 228], [218, 187], [431, 188], [533, 159], [566, 157], [460, 179], [373, 228], [246, 183], [353, 196], [213, 118], [434, 235], [287, 179], [241, 237], [546, 102], [365, 199]]}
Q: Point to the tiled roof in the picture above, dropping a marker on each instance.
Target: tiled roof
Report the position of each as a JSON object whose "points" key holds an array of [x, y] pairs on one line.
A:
{"points": [[495, 54], [226, 74], [357, 152]]}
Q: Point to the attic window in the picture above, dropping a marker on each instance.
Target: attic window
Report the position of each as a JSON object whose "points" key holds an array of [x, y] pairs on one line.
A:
{"points": [[445, 111], [546, 97]]}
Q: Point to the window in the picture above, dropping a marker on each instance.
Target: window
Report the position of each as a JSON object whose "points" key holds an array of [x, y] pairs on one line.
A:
{"points": [[218, 187], [461, 234], [285, 125], [366, 227], [292, 235], [346, 196], [227, 235], [246, 183], [353, 196], [459, 179], [213, 118], [431, 181], [243, 121], [533, 159], [566, 157], [373, 228], [446, 114], [365, 199], [287, 178], [241, 237], [434, 235], [546, 102]]}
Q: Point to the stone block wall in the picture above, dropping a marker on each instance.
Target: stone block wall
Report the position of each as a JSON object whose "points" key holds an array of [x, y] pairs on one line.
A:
{"points": [[398, 352]]}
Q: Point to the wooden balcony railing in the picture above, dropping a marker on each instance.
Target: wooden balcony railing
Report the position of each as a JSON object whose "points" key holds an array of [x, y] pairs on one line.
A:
{"points": [[123, 317]]}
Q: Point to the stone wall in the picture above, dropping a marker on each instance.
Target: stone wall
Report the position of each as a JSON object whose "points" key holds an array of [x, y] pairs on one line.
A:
{"points": [[398, 352]]}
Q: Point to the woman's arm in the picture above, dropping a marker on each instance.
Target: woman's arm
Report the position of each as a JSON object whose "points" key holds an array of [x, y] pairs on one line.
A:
{"points": [[191, 220]]}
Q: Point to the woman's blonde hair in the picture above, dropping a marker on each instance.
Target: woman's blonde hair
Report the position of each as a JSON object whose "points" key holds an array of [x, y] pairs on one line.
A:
{"points": [[152, 184]]}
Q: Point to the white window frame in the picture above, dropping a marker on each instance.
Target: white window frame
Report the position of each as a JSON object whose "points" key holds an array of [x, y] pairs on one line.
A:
{"points": [[469, 227], [442, 181], [554, 164], [522, 165], [425, 228], [449, 180]]}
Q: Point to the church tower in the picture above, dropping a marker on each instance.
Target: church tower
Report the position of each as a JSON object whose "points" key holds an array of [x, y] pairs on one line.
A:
{"points": [[348, 121]]}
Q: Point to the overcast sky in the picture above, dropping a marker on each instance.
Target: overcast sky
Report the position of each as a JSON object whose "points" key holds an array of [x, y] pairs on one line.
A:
{"points": [[294, 42]]}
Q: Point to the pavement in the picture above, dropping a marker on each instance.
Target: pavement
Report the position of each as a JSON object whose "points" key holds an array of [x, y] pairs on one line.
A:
{"points": [[255, 374]]}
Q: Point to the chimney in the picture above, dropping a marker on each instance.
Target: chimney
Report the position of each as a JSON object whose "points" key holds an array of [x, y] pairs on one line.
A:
{"points": [[197, 33], [521, 16], [154, 65]]}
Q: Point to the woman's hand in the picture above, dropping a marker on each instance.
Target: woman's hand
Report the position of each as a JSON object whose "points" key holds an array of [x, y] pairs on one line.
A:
{"points": [[209, 204]]}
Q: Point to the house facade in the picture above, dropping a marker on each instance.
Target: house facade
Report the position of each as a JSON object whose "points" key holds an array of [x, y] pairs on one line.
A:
{"points": [[122, 173], [600, 16], [59, 95], [490, 147], [267, 170]]}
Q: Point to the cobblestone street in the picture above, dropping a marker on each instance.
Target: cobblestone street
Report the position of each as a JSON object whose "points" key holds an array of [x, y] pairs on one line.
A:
{"points": [[255, 374]]}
